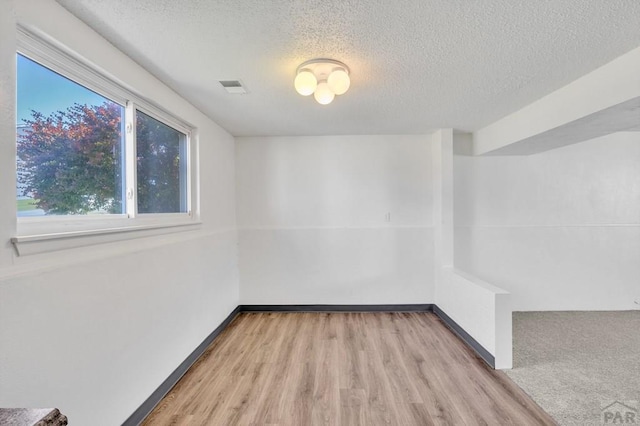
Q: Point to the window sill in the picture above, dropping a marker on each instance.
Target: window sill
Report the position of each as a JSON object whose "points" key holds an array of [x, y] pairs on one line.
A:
{"points": [[26, 245]]}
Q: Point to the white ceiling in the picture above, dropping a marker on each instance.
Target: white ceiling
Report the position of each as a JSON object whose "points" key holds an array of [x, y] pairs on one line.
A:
{"points": [[416, 64], [623, 117]]}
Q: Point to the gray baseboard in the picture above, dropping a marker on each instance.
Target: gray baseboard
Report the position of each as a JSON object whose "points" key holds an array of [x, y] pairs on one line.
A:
{"points": [[337, 308], [150, 403], [466, 337]]}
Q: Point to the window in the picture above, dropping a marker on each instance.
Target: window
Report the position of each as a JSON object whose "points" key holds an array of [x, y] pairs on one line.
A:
{"points": [[90, 154], [69, 146], [160, 152]]}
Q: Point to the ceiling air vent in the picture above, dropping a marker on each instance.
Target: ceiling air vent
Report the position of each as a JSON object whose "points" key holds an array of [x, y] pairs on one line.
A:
{"points": [[233, 86]]}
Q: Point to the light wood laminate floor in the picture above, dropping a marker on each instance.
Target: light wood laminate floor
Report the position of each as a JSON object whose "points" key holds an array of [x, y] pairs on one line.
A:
{"points": [[343, 369]]}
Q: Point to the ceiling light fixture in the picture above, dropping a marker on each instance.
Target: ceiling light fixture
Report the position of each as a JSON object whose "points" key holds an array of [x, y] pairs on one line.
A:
{"points": [[322, 78]]}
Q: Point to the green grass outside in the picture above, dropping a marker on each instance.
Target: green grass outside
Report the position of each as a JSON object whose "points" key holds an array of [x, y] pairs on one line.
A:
{"points": [[26, 204]]}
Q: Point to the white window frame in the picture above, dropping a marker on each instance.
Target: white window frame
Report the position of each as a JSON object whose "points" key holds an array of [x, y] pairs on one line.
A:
{"points": [[39, 234]]}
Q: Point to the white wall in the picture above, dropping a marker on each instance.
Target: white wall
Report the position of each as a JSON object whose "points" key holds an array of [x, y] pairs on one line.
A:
{"points": [[482, 310], [311, 218], [559, 230], [93, 331]]}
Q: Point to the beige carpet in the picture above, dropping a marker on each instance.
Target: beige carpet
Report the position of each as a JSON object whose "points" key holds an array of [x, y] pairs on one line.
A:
{"points": [[574, 363]]}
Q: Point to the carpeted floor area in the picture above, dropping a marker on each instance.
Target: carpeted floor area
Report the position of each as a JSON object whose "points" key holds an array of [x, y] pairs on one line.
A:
{"points": [[574, 363]]}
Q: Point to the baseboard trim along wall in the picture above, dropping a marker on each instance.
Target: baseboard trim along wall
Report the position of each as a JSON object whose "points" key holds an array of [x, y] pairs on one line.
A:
{"points": [[466, 337], [147, 406], [337, 308]]}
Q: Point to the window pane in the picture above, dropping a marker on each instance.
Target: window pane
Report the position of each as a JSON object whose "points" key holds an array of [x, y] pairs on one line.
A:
{"points": [[162, 172], [69, 146]]}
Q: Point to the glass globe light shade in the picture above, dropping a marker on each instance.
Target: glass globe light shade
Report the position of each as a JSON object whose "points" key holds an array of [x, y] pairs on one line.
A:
{"points": [[323, 93], [305, 83], [339, 81]]}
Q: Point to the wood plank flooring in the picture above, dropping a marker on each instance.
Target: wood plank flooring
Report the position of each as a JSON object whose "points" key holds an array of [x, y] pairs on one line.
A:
{"points": [[343, 369]]}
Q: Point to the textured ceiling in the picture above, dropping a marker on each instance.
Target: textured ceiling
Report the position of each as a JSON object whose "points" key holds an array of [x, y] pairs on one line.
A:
{"points": [[416, 64]]}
